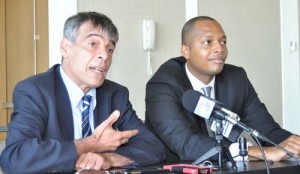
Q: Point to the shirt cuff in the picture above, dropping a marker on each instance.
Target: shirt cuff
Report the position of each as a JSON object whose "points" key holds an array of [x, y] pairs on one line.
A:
{"points": [[132, 165]]}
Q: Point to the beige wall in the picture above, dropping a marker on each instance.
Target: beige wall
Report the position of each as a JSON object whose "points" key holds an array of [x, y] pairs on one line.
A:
{"points": [[129, 65], [253, 41]]}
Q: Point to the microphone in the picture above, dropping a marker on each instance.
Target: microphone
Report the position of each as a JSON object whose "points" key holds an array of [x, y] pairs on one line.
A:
{"points": [[192, 98], [243, 149], [243, 146], [204, 107]]}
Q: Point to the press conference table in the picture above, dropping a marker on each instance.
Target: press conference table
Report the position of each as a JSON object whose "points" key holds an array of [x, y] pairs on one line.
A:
{"points": [[253, 167], [259, 167]]}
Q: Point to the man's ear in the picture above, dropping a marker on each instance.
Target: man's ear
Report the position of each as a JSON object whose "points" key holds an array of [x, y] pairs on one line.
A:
{"points": [[64, 47], [185, 51]]}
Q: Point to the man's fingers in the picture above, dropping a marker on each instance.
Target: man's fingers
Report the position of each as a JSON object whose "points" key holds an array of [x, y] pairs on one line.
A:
{"points": [[113, 117], [129, 133], [108, 122]]}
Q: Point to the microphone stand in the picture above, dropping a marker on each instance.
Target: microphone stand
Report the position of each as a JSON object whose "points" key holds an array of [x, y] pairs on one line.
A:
{"points": [[219, 149]]}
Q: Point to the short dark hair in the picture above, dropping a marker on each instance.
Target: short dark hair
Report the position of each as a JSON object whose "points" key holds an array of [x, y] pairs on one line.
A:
{"points": [[74, 22], [189, 25]]}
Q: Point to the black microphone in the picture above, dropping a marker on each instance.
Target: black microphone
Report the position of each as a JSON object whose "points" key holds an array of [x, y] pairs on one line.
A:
{"points": [[243, 146], [204, 106], [190, 101], [243, 149]]}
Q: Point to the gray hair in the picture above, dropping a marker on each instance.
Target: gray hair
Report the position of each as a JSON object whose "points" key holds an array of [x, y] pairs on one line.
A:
{"points": [[73, 23]]}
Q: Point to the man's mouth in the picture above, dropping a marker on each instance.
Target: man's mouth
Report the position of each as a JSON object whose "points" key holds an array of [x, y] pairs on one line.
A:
{"points": [[98, 69], [218, 61]]}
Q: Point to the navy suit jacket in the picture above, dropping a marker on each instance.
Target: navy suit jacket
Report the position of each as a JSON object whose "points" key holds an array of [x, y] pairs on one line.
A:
{"points": [[184, 133], [41, 137]]}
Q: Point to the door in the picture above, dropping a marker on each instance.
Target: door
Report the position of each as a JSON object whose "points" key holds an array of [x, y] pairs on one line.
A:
{"points": [[23, 48]]}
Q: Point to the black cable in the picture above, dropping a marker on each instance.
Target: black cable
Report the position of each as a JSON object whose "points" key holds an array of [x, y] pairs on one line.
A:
{"points": [[263, 153]]}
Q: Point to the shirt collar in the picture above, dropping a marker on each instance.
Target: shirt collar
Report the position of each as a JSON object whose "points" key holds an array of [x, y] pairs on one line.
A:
{"points": [[197, 84], [75, 93]]}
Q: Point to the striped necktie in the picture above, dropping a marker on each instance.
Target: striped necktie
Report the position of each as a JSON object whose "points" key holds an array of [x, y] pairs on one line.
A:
{"points": [[85, 125], [207, 90]]}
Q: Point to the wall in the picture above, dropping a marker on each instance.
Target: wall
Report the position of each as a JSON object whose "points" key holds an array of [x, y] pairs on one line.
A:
{"points": [[253, 41], [129, 65], [253, 35]]}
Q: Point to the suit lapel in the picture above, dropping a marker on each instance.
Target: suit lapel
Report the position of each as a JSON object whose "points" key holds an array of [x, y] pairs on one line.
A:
{"points": [[102, 109], [186, 85], [63, 105], [220, 90]]}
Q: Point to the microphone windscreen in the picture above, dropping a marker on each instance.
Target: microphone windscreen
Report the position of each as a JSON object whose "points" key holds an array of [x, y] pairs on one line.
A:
{"points": [[190, 99], [243, 146]]}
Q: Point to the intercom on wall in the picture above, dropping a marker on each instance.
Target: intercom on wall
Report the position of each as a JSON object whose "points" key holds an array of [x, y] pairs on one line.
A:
{"points": [[148, 34]]}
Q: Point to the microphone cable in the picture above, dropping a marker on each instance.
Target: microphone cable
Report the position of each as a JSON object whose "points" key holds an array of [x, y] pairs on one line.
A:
{"points": [[263, 153]]}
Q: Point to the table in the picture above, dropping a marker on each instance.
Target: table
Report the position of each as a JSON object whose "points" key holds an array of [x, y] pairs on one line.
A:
{"points": [[253, 167], [259, 167]]}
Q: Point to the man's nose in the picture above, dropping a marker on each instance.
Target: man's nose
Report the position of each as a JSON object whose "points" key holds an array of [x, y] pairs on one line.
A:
{"points": [[102, 53], [219, 47]]}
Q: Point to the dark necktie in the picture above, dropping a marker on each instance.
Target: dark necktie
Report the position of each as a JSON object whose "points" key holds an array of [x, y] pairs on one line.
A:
{"points": [[207, 91], [86, 128]]}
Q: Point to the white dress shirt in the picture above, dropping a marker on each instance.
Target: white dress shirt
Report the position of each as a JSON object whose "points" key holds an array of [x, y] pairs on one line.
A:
{"points": [[198, 85], [75, 95]]}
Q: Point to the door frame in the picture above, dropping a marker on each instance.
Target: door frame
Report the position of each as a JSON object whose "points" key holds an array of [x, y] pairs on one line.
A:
{"points": [[58, 11], [290, 64]]}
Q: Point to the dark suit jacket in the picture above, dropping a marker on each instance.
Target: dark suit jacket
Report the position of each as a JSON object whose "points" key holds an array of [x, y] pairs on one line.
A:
{"points": [[185, 133], [41, 137]]}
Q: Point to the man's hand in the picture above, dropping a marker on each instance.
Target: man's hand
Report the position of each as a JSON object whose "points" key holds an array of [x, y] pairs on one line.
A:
{"points": [[101, 161], [109, 139], [105, 138], [291, 144], [92, 161]]}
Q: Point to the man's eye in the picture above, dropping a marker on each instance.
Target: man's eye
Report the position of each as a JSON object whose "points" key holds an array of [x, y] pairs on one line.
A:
{"points": [[224, 42], [93, 44], [206, 42], [110, 50]]}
